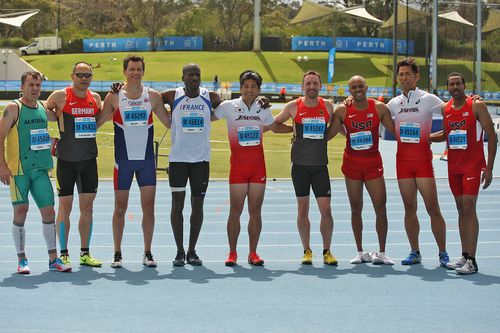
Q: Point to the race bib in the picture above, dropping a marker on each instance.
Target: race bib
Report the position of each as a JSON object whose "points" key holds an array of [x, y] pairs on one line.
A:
{"points": [[135, 116], [193, 122], [249, 135], [39, 139], [313, 128], [85, 127], [361, 140], [457, 139], [409, 132]]}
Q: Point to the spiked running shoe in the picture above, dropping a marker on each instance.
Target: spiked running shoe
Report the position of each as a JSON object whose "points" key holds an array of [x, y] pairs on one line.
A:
{"points": [[470, 267], [179, 259], [117, 260], [413, 258], [307, 258], [231, 259], [459, 263], [444, 259], [57, 265], [147, 259], [254, 259], [88, 260], [23, 267], [193, 259], [361, 258], [65, 260], [329, 259], [379, 259]]}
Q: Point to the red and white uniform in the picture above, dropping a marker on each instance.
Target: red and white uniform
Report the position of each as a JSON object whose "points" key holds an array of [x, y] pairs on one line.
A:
{"points": [[362, 158], [245, 127], [465, 148], [413, 119]]}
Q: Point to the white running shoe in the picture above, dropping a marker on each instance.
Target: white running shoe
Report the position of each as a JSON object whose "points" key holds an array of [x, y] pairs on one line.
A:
{"points": [[23, 267], [117, 260], [468, 268], [361, 258], [147, 259], [459, 263], [379, 259]]}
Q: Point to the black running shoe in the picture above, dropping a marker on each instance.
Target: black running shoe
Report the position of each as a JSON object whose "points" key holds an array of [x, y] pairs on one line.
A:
{"points": [[179, 259], [193, 259]]}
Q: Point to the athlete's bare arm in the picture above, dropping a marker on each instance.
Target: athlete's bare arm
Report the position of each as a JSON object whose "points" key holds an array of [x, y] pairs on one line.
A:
{"points": [[159, 108], [215, 99], [336, 122], [277, 127], [385, 116], [109, 106], [98, 100], [168, 97], [56, 101], [289, 111], [483, 116], [7, 121]]}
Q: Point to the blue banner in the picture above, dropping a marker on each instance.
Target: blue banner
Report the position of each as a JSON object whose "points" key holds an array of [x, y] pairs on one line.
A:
{"points": [[350, 44], [331, 64], [142, 44]]}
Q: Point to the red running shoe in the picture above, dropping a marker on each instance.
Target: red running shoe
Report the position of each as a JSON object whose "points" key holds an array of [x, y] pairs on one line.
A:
{"points": [[231, 259], [254, 259]]}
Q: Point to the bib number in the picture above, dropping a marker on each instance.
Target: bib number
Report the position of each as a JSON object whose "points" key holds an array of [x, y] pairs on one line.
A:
{"points": [[457, 139], [193, 122], [313, 128], [39, 139], [409, 132], [361, 140], [135, 116], [249, 135], [85, 127]]}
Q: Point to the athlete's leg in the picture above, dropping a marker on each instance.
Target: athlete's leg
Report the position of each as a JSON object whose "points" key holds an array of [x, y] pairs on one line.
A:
{"points": [[459, 200], [198, 180], [18, 231], [148, 214], [427, 188], [63, 221], [470, 224], [408, 190], [49, 231], [237, 195], [255, 199], [303, 223], [196, 221], [355, 193], [85, 223], [326, 225], [377, 192], [177, 219], [121, 204]]}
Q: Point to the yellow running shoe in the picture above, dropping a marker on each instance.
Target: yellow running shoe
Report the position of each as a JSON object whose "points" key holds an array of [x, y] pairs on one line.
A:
{"points": [[307, 259], [329, 259], [87, 260], [65, 260]]}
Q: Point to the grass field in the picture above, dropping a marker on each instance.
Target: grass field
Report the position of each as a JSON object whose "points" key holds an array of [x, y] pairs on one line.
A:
{"points": [[274, 66]]}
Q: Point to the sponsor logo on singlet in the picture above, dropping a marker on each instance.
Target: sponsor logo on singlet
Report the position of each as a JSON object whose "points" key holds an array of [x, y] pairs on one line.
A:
{"points": [[257, 118], [407, 110]]}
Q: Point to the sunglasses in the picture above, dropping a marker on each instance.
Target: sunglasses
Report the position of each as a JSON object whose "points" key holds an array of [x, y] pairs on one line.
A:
{"points": [[83, 75]]}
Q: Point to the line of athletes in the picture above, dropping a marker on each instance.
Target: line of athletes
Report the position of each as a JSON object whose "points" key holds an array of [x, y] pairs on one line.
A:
{"points": [[80, 112]]}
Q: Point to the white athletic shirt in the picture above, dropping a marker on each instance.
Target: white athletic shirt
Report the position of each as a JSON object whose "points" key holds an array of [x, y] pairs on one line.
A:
{"points": [[190, 132], [244, 129], [413, 119]]}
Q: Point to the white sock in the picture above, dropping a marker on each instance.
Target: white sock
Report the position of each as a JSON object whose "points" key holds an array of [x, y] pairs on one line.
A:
{"points": [[19, 236], [382, 255], [49, 234]]}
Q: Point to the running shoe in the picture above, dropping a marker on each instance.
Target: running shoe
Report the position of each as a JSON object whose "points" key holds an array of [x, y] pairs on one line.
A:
{"points": [[379, 259], [254, 259], [470, 267], [23, 267], [457, 264], [193, 259], [413, 258], [87, 260], [147, 259], [179, 259], [307, 259], [231, 259], [117, 260], [329, 259], [65, 260], [444, 259], [361, 258], [57, 265]]}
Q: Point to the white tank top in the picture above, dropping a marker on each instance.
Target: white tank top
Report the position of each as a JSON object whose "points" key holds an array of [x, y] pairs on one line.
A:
{"points": [[190, 132]]}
